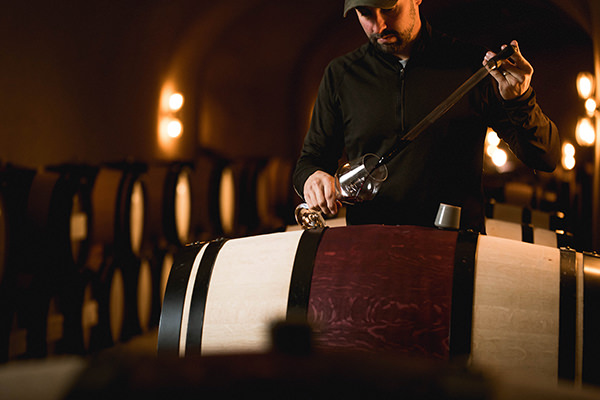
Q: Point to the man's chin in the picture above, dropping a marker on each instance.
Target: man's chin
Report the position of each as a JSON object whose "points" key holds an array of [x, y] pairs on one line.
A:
{"points": [[392, 49]]}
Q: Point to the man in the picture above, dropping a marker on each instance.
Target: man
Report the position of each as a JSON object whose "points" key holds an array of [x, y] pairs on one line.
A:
{"points": [[372, 96]]}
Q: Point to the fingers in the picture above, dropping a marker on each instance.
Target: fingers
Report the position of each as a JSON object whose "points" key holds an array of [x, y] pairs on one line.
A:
{"points": [[496, 72], [513, 75], [517, 61], [319, 193]]}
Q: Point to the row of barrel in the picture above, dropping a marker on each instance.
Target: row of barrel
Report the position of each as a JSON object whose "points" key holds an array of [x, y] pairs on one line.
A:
{"points": [[85, 251], [511, 221], [528, 225]]}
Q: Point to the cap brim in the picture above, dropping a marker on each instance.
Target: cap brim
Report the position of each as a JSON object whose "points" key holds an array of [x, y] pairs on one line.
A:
{"points": [[350, 4]]}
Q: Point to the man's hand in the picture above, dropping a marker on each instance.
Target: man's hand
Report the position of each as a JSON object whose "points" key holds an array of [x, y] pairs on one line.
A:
{"points": [[513, 76], [319, 193]]}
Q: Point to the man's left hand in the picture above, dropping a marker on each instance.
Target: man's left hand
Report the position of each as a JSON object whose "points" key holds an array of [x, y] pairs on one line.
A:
{"points": [[513, 75]]}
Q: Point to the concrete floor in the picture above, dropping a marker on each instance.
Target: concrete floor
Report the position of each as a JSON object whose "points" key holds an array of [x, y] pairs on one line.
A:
{"points": [[55, 377], [52, 378]]}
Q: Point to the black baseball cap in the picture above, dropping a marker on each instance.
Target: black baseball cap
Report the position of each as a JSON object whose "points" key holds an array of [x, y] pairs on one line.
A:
{"points": [[350, 4]]}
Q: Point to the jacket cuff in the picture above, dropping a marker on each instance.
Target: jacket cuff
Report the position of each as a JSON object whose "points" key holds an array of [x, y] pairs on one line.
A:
{"points": [[520, 101]]}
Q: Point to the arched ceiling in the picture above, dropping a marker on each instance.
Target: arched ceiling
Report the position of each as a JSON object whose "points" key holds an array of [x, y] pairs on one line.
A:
{"points": [[84, 79], [256, 65]]}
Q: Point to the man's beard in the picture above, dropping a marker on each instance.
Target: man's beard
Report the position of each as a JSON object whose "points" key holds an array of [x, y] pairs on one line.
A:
{"points": [[403, 38], [390, 48]]}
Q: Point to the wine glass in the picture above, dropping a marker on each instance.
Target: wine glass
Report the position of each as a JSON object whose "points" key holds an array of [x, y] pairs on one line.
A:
{"points": [[355, 181]]}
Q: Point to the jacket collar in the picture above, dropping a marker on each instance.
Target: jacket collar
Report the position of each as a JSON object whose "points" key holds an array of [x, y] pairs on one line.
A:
{"points": [[419, 48]]}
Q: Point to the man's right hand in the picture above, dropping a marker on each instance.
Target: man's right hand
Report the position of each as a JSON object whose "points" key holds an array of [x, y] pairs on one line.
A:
{"points": [[319, 193]]}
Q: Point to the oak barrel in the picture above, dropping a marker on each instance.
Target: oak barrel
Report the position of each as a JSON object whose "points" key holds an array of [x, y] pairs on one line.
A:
{"points": [[528, 233], [555, 221], [117, 195], [507, 305], [169, 204], [205, 180], [238, 197], [275, 194]]}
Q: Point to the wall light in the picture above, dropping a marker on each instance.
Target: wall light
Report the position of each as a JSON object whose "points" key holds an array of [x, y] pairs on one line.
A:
{"points": [[585, 85], [175, 102], [568, 156], [585, 132], [170, 121], [492, 138], [498, 156], [590, 107], [174, 128]]}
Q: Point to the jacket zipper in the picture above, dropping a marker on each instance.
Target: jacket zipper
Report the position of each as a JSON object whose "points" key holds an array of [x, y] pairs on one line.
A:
{"points": [[401, 98]]}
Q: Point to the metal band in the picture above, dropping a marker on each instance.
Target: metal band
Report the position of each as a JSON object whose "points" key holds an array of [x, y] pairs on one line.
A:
{"points": [[463, 286], [302, 272], [526, 216], [591, 322], [526, 233], [4, 237], [567, 315], [489, 210], [557, 222], [169, 327], [565, 240], [199, 296]]}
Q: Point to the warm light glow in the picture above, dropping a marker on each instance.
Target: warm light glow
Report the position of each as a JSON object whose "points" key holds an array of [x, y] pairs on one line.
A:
{"points": [[175, 101], [592, 270], [492, 138], [590, 107], [174, 128], [169, 123], [499, 157], [136, 217], [585, 85], [183, 206], [585, 132], [568, 150], [568, 156], [568, 163]]}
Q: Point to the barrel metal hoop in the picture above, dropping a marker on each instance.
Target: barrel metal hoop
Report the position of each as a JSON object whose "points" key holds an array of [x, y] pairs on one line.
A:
{"points": [[489, 210], [199, 297], [302, 272], [463, 285], [527, 233], [591, 322], [169, 328], [526, 216], [567, 315]]}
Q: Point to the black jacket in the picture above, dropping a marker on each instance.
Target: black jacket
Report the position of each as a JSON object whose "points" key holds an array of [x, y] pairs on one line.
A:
{"points": [[366, 99]]}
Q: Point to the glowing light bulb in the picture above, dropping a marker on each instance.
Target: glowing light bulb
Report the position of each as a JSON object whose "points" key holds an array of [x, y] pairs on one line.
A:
{"points": [[492, 138], [175, 101], [585, 84], [568, 163], [174, 128], [568, 149], [585, 132], [499, 157], [590, 107]]}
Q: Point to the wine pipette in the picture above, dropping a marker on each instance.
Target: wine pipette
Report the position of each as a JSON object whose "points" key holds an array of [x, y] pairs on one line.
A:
{"points": [[493, 64]]}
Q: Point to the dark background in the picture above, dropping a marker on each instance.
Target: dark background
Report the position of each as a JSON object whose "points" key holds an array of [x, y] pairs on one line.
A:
{"points": [[81, 81]]}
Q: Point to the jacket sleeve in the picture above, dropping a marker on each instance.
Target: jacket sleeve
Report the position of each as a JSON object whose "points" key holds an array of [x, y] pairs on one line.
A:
{"points": [[324, 141], [530, 134]]}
